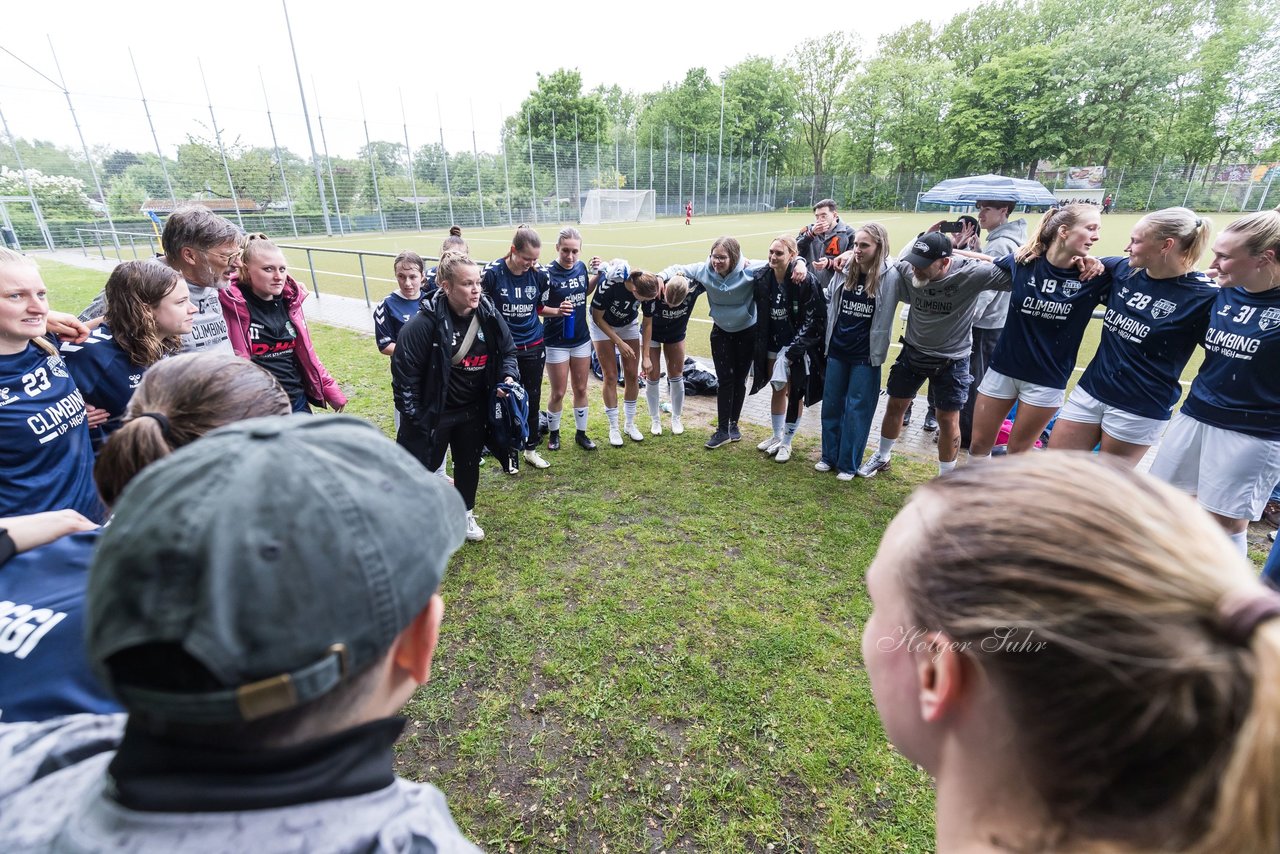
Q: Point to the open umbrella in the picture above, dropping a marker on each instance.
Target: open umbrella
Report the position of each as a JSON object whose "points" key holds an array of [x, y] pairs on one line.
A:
{"points": [[996, 188]]}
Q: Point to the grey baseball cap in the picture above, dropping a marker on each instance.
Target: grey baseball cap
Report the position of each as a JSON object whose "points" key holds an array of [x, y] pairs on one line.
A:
{"points": [[283, 554]]}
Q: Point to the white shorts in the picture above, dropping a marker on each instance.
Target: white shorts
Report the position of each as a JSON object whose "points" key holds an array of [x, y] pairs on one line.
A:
{"points": [[560, 355], [1231, 474], [630, 332], [997, 385], [1084, 408]]}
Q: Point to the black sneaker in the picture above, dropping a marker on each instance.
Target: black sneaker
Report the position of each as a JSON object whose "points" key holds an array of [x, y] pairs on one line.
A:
{"points": [[718, 438], [906, 416], [584, 441], [930, 423], [553, 440], [735, 435]]}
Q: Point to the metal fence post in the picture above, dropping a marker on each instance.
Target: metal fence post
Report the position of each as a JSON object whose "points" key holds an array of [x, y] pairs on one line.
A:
{"points": [[315, 283], [364, 280]]}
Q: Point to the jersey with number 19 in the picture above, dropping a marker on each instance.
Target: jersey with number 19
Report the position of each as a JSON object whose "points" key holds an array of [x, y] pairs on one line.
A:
{"points": [[46, 461], [1149, 331], [1238, 387]]}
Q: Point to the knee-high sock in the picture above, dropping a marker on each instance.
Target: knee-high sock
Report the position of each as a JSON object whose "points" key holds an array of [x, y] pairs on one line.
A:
{"points": [[651, 391], [580, 417], [675, 385]]}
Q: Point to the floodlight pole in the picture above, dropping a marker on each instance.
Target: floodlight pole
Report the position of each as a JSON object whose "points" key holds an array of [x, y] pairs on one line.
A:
{"points": [[306, 118], [288, 199], [413, 179], [506, 172], [444, 153], [324, 142], [173, 197], [475, 154], [217, 135], [720, 150], [373, 169], [31, 190], [555, 162], [577, 168], [115, 240], [533, 183]]}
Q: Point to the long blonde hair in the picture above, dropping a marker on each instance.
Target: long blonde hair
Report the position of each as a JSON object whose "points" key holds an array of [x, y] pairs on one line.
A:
{"points": [[1189, 231], [880, 236], [1064, 216], [1143, 719]]}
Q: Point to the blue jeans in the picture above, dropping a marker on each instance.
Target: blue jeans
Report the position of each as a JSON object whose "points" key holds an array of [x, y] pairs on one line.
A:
{"points": [[849, 400], [1271, 569]]}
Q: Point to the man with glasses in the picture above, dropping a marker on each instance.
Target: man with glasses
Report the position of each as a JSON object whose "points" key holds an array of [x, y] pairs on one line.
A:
{"points": [[205, 249]]}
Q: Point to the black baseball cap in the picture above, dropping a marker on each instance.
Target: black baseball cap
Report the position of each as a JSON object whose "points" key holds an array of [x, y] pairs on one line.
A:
{"points": [[927, 248], [283, 554]]}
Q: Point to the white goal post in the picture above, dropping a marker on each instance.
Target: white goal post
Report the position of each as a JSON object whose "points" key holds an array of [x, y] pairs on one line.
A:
{"points": [[602, 206]]}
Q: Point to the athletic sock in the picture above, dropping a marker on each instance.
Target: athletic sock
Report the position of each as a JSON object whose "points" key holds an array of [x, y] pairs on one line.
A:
{"points": [[612, 415], [629, 407], [944, 467], [553, 418], [886, 447], [1242, 542], [789, 432], [651, 391], [675, 385], [777, 421], [580, 417], [979, 458]]}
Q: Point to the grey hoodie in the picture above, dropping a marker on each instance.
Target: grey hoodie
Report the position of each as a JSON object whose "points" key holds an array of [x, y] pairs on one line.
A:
{"points": [[1001, 240]]}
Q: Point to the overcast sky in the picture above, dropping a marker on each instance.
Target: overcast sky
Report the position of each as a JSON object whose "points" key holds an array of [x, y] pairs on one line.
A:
{"points": [[476, 59]]}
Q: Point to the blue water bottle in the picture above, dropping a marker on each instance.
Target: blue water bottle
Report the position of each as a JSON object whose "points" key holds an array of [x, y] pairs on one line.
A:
{"points": [[568, 325]]}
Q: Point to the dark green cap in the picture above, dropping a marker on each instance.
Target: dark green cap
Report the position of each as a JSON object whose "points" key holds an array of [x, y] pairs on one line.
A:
{"points": [[283, 554]]}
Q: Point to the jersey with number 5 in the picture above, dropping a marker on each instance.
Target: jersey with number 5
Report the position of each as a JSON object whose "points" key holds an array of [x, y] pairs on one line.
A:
{"points": [[1238, 387]]}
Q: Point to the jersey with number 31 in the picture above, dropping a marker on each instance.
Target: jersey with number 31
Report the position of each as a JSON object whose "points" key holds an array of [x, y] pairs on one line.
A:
{"points": [[1238, 387]]}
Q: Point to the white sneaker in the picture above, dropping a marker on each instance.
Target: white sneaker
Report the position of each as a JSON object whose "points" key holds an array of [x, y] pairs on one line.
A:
{"points": [[655, 427], [822, 466], [784, 453], [874, 465], [615, 437], [845, 475], [533, 458], [677, 426], [634, 432], [769, 445], [474, 532]]}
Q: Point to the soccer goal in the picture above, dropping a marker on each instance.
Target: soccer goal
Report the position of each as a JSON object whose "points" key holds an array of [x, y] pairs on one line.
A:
{"points": [[618, 206]]}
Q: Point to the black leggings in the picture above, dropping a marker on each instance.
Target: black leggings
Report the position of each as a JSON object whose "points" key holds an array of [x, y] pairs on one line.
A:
{"points": [[732, 354], [531, 364], [459, 429]]}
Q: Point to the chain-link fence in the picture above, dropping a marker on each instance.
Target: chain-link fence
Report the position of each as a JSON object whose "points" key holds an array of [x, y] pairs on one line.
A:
{"points": [[253, 162]]}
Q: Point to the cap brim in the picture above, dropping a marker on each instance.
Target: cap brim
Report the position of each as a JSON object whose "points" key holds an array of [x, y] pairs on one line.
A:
{"points": [[916, 260]]}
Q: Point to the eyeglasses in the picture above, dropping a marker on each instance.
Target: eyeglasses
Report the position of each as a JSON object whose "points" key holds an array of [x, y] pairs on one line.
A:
{"points": [[225, 257], [719, 257]]}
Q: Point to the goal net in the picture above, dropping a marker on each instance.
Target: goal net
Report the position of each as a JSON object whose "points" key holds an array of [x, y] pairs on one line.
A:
{"points": [[618, 206]]}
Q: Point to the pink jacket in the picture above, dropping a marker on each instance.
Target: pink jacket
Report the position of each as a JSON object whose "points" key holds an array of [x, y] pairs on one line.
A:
{"points": [[319, 385]]}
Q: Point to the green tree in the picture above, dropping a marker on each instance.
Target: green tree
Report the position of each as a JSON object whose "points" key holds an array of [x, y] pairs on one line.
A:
{"points": [[760, 100], [823, 67], [559, 94], [125, 196]]}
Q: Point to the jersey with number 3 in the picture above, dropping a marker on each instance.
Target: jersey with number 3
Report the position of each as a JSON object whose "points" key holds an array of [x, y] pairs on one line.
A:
{"points": [[1238, 387], [46, 461], [1149, 331]]}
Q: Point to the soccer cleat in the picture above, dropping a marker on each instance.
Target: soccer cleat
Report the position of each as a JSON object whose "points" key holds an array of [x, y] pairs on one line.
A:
{"points": [[783, 454], [584, 441], [769, 445], [533, 458], [474, 532], [615, 437], [718, 438], [845, 475], [822, 466], [874, 466], [513, 465], [655, 427], [634, 432], [677, 426], [735, 435], [553, 440]]}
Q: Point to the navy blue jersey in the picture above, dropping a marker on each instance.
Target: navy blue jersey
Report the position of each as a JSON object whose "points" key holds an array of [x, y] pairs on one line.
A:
{"points": [[1238, 387], [1048, 312], [851, 336], [392, 314], [46, 458], [569, 285], [517, 299], [619, 305], [781, 330], [429, 283], [670, 325], [105, 376], [44, 672], [1149, 331]]}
